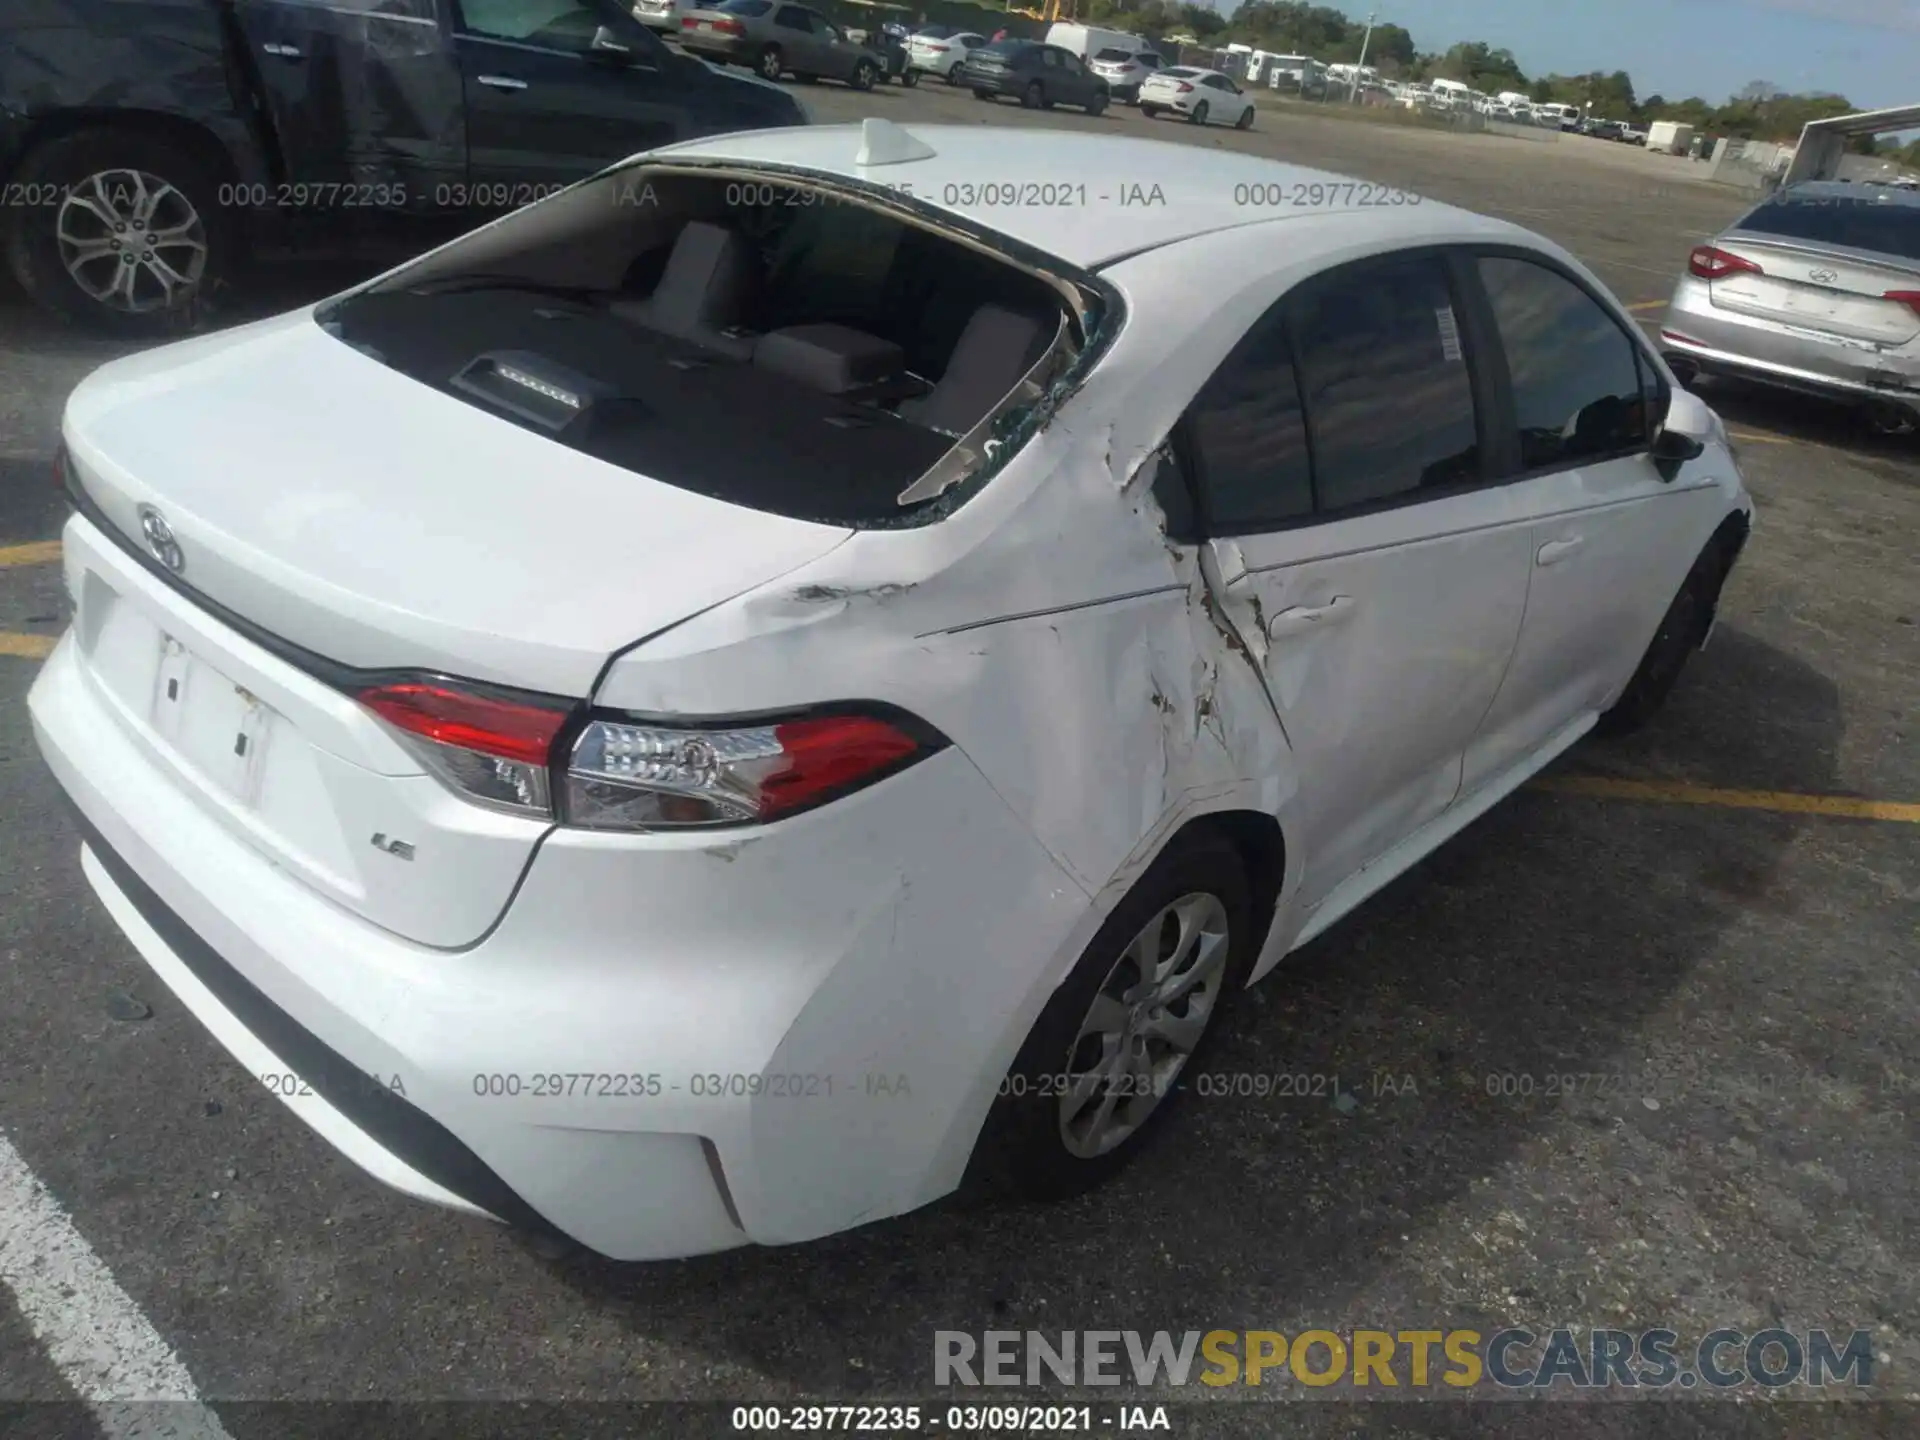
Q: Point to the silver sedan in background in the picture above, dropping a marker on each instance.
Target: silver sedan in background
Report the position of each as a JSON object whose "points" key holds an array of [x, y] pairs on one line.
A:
{"points": [[1817, 289]]}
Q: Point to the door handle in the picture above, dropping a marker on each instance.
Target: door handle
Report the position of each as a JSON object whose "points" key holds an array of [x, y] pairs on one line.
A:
{"points": [[1554, 551], [284, 52], [501, 82], [1302, 619]]}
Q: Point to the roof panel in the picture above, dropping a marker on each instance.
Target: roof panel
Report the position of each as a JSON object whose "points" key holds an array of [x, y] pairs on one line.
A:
{"points": [[1085, 198]]}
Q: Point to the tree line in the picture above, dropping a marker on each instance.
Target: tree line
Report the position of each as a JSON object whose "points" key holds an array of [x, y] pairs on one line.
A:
{"points": [[1761, 111]]}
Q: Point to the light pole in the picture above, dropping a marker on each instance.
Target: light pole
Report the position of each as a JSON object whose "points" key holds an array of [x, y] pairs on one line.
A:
{"points": [[1365, 40]]}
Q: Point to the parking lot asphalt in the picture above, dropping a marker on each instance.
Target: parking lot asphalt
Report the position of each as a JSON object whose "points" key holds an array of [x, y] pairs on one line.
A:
{"points": [[1735, 969]]}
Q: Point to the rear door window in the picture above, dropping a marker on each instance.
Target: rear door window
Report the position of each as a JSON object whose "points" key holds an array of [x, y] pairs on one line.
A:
{"points": [[1389, 397], [1247, 431], [1886, 227]]}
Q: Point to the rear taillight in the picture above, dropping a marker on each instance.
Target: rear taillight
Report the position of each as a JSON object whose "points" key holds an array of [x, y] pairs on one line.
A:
{"points": [[494, 751], [687, 22], [506, 751], [938, 49], [1709, 262], [730, 27], [635, 775], [1184, 88], [1908, 298]]}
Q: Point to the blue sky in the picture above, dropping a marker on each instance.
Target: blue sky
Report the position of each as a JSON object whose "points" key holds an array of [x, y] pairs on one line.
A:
{"points": [[1867, 50]]}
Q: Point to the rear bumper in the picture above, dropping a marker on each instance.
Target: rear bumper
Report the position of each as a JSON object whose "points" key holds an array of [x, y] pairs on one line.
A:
{"points": [[671, 1045], [733, 49], [1716, 341]]}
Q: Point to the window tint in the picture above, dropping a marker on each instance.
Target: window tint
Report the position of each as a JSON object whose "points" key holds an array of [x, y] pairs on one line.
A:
{"points": [[1576, 375], [1113, 53], [1859, 222], [1247, 430], [1070, 64], [1051, 58], [792, 17], [556, 24], [1218, 82], [1386, 382]]}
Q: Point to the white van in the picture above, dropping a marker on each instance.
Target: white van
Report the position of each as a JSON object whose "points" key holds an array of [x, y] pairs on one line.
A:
{"points": [[1088, 40]]}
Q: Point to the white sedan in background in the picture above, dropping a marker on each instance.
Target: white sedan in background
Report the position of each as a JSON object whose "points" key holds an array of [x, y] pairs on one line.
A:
{"points": [[1205, 97], [713, 755], [942, 54]]}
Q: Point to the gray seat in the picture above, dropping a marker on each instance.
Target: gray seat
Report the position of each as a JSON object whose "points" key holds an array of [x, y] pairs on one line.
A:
{"points": [[997, 348], [708, 284]]}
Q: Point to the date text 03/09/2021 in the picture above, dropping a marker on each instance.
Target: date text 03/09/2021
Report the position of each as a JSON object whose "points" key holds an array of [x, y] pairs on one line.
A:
{"points": [[954, 1420]]}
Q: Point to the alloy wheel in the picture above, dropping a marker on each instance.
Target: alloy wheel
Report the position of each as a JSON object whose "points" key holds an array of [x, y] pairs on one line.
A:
{"points": [[131, 240], [1143, 1024]]}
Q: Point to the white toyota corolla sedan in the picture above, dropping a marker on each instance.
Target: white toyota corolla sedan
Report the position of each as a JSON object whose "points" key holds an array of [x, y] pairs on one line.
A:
{"points": [[774, 682]]}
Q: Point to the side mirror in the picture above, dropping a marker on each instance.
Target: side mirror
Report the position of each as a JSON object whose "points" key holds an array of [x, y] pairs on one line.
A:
{"points": [[1690, 423], [609, 45]]}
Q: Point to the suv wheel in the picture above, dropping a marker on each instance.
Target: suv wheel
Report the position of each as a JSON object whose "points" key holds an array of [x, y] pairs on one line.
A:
{"points": [[136, 241], [1033, 97]]}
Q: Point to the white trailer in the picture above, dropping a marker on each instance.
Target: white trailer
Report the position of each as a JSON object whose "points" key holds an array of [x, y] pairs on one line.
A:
{"points": [[1669, 137]]}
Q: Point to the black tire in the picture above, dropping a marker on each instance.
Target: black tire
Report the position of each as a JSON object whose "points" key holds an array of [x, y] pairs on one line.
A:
{"points": [[1097, 105], [32, 244], [953, 72], [863, 75], [1152, 112], [1034, 97], [1199, 115], [1022, 1150], [1245, 122], [909, 78], [768, 63], [1683, 629], [983, 95]]}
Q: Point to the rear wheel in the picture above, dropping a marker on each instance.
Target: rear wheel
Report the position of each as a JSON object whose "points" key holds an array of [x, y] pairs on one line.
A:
{"points": [[769, 63], [1101, 1066], [863, 74], [1245, 122], [953, 73], [1683, 630], [1199, 115], [136, 241], [1097, 105], [909, 77], [1033, 97], [1152, 112]]}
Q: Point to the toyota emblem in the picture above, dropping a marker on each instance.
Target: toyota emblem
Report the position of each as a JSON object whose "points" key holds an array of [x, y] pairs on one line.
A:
{"points": [[160, 541], [1823, 277]]}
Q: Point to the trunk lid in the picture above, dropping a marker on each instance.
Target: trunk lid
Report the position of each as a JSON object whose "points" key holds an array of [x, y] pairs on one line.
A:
{"points": [[361, 516], [1826, 290], [380, 523]]}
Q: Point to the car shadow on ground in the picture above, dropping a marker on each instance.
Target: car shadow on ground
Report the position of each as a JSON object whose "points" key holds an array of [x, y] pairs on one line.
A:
{"points": [[1538, 942], [1807, 418]]}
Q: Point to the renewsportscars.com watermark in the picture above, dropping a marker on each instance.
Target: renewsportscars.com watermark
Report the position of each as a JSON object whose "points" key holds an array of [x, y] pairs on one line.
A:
{"points": [[1511, 1359]]}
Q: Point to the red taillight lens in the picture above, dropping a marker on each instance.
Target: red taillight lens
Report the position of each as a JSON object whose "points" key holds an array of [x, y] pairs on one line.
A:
{"points": [[730, 27], [1184, 87], [633, 775], [938, 49], [1709, 262], [492, 750], [687, 22], [1908, 298]]}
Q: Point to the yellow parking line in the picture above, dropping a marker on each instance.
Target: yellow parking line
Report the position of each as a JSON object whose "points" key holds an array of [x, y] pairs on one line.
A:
{"points": [[1675, 792], [27, 647], [39, 552], [1639, 305], [1746, 437]]}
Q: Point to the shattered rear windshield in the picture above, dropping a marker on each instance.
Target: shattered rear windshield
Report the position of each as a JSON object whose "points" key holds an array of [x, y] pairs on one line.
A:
{"points": [[751, 338]]}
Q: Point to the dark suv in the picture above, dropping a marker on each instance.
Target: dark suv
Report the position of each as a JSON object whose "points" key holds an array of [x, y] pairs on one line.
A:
{"points": [[1038, 76], [146, 144]]}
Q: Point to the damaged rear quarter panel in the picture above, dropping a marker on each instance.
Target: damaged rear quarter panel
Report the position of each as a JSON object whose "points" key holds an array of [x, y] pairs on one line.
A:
{"points": [[1048, 627]]}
